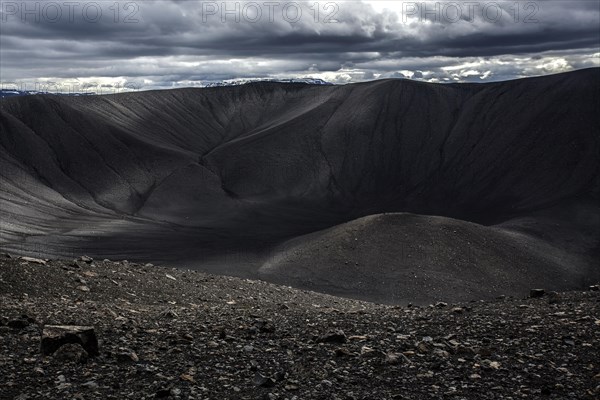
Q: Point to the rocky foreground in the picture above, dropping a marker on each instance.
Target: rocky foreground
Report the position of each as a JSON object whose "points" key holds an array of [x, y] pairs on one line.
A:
{"points": [[166, 333]]}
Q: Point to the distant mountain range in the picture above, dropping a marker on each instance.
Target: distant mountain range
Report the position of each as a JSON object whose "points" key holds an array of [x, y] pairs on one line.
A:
{"points": [[14, 93], [391, 190], [231, 82], [237, 82]]}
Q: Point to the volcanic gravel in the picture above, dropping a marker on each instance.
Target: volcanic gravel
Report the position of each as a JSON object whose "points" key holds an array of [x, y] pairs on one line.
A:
{"points": [[177, 334]]}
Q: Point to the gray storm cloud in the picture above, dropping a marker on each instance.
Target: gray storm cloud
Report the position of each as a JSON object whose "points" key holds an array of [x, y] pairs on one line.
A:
{"points": [[160, 44]]}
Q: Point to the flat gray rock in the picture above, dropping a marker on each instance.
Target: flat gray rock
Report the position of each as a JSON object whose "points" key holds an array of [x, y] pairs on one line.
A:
{"points": [[55, 337]]}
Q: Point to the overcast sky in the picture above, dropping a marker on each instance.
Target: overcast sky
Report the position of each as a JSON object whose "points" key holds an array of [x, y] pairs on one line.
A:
{"points": [[163, 44]]}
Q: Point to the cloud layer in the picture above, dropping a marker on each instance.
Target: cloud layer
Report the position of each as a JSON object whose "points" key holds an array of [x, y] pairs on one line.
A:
{"points": [[162, 44]]}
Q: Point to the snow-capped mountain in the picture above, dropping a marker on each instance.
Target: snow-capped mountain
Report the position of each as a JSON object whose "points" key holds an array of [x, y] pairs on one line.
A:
{"points": [[229, 82], [12, 93], [237, 82]]}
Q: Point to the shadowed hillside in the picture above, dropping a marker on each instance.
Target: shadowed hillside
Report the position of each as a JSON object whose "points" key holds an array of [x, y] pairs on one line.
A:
{"points": [[227, 179]]}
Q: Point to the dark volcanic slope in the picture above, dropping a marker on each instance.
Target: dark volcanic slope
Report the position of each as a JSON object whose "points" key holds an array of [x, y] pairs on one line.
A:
{"points": [[401, 258], [215, 178]]}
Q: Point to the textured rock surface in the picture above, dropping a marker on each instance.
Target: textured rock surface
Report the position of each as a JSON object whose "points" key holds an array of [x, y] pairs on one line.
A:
{"points": [[54, 337], [203, 337]]}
